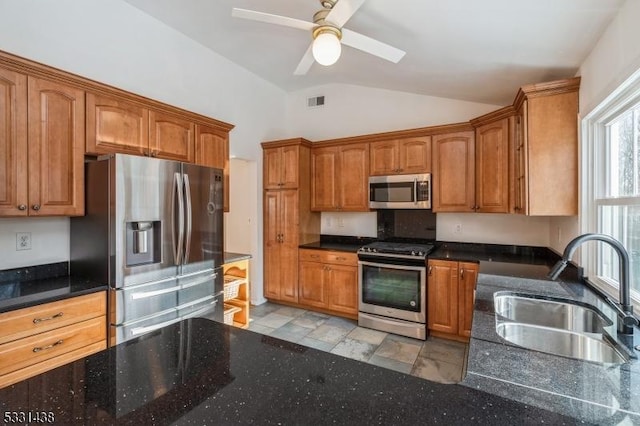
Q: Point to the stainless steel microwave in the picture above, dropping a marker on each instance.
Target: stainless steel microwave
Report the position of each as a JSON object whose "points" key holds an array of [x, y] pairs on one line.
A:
{"points": [[400, 192]]}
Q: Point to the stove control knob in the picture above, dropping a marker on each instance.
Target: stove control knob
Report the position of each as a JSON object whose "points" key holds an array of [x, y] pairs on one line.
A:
{"points": [[413, 253], [420, 253]]}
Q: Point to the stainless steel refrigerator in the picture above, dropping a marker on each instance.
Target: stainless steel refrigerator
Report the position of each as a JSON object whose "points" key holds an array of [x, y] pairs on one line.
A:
{"points": [[153, 230]]}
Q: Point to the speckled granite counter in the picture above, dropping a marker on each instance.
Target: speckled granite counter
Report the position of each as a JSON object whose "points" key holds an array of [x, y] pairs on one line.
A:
{"points": [[602, 394], [34, 285], [230, 257], [201, 372], [338, 243]]}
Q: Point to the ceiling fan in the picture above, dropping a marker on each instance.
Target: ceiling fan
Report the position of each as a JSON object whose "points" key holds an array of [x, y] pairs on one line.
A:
{"points": [[328, 33]]}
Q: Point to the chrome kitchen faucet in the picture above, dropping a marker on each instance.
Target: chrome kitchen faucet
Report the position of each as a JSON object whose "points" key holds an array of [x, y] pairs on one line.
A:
{"points": [[624, 306]]}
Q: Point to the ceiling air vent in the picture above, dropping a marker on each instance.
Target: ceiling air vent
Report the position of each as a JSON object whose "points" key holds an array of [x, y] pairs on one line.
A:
{"points": [[316, 101]]}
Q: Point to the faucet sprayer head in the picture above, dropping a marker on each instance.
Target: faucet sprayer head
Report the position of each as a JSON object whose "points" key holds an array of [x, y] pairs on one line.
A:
{"points": [[557, 269]]}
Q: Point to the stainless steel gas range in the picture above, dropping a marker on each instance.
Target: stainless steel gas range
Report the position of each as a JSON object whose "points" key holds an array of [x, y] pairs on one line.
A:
{"points": [[392, 284]]}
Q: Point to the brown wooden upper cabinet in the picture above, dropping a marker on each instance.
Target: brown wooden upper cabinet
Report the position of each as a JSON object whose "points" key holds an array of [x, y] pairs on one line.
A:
{"points": [[492, 166], [545, 149], [453, 178], [339, 178], [115, 125], [212, 150], [401, 156], [280, 168], [42, 145]]}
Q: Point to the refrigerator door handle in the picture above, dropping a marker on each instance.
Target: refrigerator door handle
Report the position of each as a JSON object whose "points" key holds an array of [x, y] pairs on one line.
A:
{"points": [[141, 330], [187, 192], [177, 192]]}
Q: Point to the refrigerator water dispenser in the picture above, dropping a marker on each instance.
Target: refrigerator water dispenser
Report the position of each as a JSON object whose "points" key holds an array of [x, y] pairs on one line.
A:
{"points": [[141, 246]]}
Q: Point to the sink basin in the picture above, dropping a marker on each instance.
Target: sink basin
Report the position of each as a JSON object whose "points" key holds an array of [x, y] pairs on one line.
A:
{"points": [[554, 313], [556, 326], [560, 342]]}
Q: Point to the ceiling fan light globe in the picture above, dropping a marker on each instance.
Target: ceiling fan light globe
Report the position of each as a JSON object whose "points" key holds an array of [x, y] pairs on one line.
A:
{"points": [[326, 48]]}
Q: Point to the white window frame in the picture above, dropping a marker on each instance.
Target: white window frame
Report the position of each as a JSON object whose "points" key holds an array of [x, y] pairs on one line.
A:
{"points": [[593, 131]]}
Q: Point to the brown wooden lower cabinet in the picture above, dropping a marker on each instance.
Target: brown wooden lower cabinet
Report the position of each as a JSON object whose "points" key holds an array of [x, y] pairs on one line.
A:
{"points": [[450, 298], [37, 339], [328, 282]]}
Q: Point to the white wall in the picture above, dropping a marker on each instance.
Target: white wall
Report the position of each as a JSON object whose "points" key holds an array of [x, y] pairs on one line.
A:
{"points": [[115, 43], [613, 59], [493, 228], [49, 241], [355, 110]]}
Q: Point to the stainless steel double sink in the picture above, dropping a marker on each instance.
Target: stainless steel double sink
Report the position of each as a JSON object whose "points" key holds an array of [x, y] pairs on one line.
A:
{"points": [[556, 326]]}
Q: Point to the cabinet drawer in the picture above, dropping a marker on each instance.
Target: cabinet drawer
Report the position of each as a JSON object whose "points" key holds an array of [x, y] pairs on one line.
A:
{"points": [[342, 258], [41, 347], [325, 256], [38, 319]]}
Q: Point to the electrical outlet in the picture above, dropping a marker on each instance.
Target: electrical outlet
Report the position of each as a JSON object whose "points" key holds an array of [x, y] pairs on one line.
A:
{"points": [[340, 222], [327, 222], [457, 228], [23, 240]]}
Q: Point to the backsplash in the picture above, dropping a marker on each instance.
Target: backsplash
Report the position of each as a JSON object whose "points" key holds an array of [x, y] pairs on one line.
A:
{"points": [[406, 224]]}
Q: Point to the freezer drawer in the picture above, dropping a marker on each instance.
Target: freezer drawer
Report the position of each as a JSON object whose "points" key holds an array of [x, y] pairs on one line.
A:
{"points": [[206, 307], [137, 302]]}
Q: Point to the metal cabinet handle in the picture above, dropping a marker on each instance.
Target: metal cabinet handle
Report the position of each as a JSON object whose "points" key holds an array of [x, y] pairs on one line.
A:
{"points": [[461, 274], [341, 258], [44, 348], [430, 270], [154, 153], [39, 320], [315, 256], [36, 207], [22, 207]]}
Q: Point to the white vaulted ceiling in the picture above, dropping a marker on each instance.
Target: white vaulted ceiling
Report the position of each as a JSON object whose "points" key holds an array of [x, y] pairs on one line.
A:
{"points": [[475, 50]]}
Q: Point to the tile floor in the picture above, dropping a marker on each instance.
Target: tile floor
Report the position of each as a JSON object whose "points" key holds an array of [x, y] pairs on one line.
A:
{"points": [[435, 359]]}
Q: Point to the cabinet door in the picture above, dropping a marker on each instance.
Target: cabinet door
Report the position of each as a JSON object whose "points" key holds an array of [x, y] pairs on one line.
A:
{"points": [[271, 245], [442, 295], [212, 150], [468, 276], [290, 164], [343, 289], [116, 126], [271, 168], [453, 179], [56, 149], [384, 158], [415, 155], [312, 286], [324, 177], [492, 167], [13, 144], [289, 221], [352, 180], [171, 137]]}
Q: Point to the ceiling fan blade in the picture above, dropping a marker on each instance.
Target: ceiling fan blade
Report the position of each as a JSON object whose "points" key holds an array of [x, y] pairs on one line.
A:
{"points": [[342, 11], [272, 19], [369, 45], [305, 63]]}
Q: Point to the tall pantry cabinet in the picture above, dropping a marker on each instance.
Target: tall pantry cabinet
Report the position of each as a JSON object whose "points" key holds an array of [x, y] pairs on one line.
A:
{"points": [[288, 220]]}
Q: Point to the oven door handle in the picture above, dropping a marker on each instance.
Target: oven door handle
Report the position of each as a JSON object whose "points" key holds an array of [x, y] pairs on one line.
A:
{"points": [[392, 266], [415, 191]]}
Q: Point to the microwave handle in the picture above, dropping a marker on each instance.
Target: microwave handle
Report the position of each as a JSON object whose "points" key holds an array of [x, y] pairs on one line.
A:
{"points": [[415, 190]]}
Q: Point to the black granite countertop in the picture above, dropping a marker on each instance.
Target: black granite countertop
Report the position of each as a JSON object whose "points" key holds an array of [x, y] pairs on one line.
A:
{"points": [[202, 372], [34, 285], [338, 243], [597, 393]]}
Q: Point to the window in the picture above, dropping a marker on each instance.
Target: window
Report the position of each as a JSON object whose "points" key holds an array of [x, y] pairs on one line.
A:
{"points": [[611, 185]]}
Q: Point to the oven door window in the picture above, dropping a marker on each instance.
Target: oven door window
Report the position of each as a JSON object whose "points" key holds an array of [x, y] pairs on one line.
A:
{"points": [[391, 287]]}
